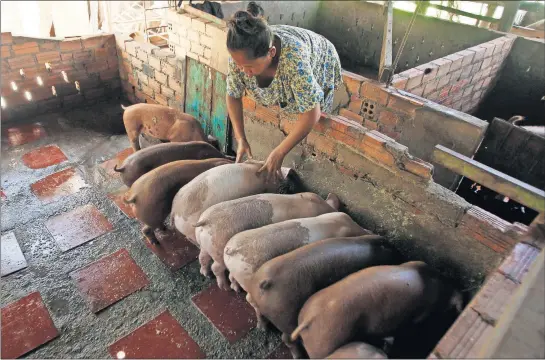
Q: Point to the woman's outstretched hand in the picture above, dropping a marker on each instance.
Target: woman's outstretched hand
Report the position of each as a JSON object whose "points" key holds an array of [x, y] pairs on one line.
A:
{"points": [[243, 148], [272, 166]]}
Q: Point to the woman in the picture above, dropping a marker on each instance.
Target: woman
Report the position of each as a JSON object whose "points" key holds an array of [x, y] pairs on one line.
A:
{"points": [[294, 68]]}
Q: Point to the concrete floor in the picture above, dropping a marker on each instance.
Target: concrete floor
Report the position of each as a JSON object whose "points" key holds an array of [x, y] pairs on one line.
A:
{"points": [[82, 333]]}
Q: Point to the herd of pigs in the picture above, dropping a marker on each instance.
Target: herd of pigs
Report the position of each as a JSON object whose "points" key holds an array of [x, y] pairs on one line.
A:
{"points": [[333, 288]]}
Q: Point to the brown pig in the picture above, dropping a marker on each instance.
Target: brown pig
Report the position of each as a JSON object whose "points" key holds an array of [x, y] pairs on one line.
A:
{"points": [[358, 350], [248, 250], [224, 183], [221, 222], [281, 286], [375, 302], [151, 195], [145, 160], [160, 122]]}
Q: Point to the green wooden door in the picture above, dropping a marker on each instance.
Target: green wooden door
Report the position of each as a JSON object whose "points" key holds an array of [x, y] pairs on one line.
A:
{"points": [[219, 110], [198, 97]]}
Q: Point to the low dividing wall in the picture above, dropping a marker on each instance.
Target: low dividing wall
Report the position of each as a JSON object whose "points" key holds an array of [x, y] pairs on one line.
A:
{"points": [[91, 61], [460, 80]]}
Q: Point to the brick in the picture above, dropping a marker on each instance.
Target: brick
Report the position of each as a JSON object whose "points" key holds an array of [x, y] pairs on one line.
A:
{"points": [[517, 264], [345, 125], [214, 30], [444, 93], [21, 62], [67, 57], [479, 52], [487, 82], [143, 78], [193, 36], [137, 64], [444, 81], [101, 53], [93, 42], [444, 66], [468, 91], [248, 103], [71, 44], [489, 48], [492, 299], [168, 69], [197, 49], [192, 55], [430, 71], [351, 115], [162, 78], [457, 61], [154, 63], [371, 125], [388, 118], [6, 51], [375, 93], [155, 85], [466, 72], [6, 38], [467, 57], [142, 54], [267, 115], [419, 91], [148, 70], [322, 144], [207, 41], [97, 67], [147, 90], [131, 47], [486, 63], [414, 77], [419, 168], [404, 104], [455, 76], [207, 53], [175, 85], [353, 82], [477, 95], [198, 24], [372, 146], [355, 105], [399, 82], [83, 55], [430, 87], [161, 99]]}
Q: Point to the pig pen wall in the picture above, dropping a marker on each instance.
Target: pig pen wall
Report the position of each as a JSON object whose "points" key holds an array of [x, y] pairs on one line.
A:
{"points": [[91, 61], [520, 85], [381, 184], [356, 29]]}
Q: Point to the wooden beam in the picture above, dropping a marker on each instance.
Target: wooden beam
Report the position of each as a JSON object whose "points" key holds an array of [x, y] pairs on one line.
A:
{"points": [[508, 18], [386, 52], [464, 13], [503, 184], [194, 11]]}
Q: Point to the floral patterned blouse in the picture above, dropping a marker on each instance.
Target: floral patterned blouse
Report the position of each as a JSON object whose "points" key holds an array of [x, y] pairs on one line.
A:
{"points": [[308, 72]]}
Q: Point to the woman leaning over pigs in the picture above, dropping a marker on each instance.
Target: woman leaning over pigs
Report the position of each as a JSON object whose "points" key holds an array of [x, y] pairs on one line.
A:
{"points": [[283, 65]]}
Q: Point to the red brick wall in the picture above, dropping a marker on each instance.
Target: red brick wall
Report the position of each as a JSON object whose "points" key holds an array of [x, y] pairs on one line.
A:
{"points": [[460, 80], [92, 61]]}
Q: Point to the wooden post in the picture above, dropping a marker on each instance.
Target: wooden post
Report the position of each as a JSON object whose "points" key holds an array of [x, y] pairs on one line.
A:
{"points": [[386, 52], [510, 9]]}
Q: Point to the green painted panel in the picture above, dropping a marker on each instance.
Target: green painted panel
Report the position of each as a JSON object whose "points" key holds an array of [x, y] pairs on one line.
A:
{"points": [[198, 96], [219, 110]]}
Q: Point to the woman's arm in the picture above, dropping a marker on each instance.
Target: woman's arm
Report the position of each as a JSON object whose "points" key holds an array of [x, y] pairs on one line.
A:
{"points": [[302, 128], [234, 108]]}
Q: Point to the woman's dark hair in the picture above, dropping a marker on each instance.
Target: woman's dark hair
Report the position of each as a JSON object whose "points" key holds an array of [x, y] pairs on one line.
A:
{"points": [[249, 31]]}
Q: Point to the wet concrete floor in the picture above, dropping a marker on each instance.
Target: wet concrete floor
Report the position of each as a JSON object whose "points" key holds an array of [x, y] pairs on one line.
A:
{"points": [[57, 177]]}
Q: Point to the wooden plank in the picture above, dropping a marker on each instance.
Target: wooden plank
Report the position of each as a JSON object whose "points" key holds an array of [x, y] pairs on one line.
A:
{"points": [[219, 109], [191, 10], [464, 13], [198, 97], [386, 52], [506, 185]]}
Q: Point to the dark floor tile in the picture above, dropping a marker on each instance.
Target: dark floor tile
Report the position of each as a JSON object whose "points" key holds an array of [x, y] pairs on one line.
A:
{"points": [[26, 324], [78, 226], [174, 250], [58, 185], [161, 338], [109, 165], [12, 257], [109, 279], [228, 311], [117, 197], [281, 352], [44, 157], [24, 134]]}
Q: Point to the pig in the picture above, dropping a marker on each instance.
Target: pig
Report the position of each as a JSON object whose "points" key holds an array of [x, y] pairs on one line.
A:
{"points": [[146, 141], [224, 183], [221, 222], [145, 160], [373, 303], [160, 122], [151, 195], [358, 350], [247, 251], [280, 287]]}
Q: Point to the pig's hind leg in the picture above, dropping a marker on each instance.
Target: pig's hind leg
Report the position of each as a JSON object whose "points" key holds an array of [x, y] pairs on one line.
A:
{"points": [[234, 283], [205, 260], [219, 271], [261, 320], [295, 348]]}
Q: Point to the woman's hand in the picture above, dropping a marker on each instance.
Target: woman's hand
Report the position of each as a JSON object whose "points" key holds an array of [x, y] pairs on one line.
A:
{"points": [[272, 166], [243, 148]]}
